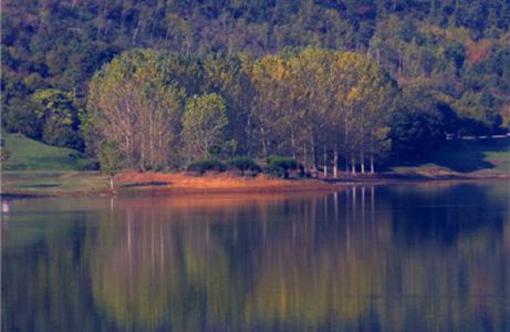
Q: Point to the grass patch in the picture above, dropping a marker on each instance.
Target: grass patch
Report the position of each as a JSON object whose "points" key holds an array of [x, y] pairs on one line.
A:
{"points": [[36, 168], [28, 154], [485, 156], [53, 183]]}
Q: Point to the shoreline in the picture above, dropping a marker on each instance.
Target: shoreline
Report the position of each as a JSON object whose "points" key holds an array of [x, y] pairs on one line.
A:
{"points": [[169, 184]]}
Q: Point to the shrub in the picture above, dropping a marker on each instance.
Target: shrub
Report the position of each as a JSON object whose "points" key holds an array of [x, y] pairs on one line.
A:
{"points": [[244, 164], [110, 159], [280, 165], [275, 171], [207, 165], [282, 162]]}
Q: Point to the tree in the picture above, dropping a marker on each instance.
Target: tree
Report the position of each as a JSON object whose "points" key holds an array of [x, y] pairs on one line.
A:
{"points": [[4, 152], [19, 117], [110, 160], [227, 77], [319, 101], [59, 116], [479, 112], [421, 121], [269, 76], [204, 123], [136, 102], [415, 131]]}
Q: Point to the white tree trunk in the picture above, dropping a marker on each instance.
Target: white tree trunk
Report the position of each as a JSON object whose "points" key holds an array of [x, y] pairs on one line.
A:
{"points": [[263, 139], [362, 163], [111, 183], [133, 39], [372, 168], [312, 142], [325, 162], [305, 158], [293, 144], [335, 163], [353, 166]]}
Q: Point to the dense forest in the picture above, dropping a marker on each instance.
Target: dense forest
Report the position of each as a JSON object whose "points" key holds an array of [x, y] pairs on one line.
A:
{"points": [[167, 83]]}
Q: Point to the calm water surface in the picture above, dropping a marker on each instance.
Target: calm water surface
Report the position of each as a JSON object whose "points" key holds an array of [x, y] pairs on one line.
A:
{"points": [[428, 257]]}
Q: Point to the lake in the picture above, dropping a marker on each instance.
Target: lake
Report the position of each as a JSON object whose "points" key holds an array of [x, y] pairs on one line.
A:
{"points": [[424, 257]]}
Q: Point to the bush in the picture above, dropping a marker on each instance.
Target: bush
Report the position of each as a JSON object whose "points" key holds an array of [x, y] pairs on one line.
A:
{"points": [[62, 135], [207, 165], [244, 164], [282, 162], [110, 159], [280, 166], [19, 117]]}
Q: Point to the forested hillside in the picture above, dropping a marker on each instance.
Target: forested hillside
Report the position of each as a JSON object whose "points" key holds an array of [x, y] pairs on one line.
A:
{"points": [[337, 80]]}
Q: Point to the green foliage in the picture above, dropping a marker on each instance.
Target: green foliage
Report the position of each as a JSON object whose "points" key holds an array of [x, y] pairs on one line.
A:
{"points": [[4, 152], [48, 115], [203, 166], [282, 162], [423, 120], [479, 113], [203, 125], [280, 165], [110, 158], [135, 100], [59, 117], [244, 164], [416, 132], [19, 117]]}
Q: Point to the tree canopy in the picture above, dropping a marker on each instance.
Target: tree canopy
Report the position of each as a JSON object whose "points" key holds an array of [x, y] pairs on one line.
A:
{"points": [[303, 104]]}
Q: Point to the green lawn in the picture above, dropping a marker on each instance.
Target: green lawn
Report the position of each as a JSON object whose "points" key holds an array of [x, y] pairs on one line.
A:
{"points": [[28, 154]]}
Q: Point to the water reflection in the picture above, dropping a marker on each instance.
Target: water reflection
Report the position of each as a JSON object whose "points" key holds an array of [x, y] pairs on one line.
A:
{"points": [[400, 258]]}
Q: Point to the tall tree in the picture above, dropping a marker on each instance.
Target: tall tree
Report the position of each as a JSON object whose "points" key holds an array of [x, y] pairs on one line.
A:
{"points": [[132, 103], [203, 126], [322, 103]]}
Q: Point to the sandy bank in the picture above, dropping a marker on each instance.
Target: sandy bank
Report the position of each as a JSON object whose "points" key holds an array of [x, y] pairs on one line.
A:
{"points": [[213, 183]]}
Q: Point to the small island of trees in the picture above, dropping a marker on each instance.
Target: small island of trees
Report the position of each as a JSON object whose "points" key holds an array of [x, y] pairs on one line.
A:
{"points": [[319, 107]]}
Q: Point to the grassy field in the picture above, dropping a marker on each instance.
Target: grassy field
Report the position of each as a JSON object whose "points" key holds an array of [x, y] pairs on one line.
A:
{"points": [[35, 168], [465, 158], [29, 155]]}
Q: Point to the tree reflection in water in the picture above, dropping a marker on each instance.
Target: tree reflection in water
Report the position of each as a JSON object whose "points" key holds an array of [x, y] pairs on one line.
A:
{"points": [[421, 258]]}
